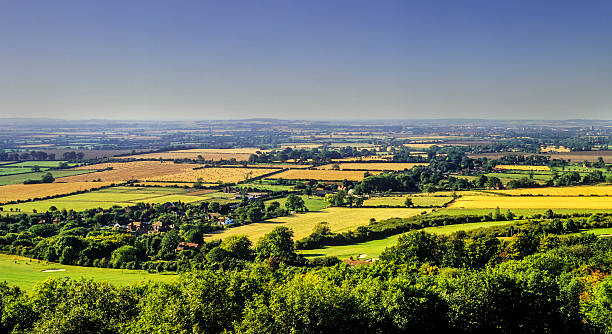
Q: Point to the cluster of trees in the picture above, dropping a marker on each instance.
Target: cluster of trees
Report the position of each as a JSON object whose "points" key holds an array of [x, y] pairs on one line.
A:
{"points": [[315, 155], [342, 198], [45, 178], [463, 283]]}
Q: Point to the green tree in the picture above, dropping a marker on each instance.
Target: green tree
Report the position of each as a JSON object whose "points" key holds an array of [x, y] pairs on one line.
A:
{"points": [[47, 178], [278, 243], [123, 255], [295, 203], [238, 246]]}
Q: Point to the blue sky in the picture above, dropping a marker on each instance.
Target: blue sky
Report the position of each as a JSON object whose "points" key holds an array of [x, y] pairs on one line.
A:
{"points": [[306, 59]]}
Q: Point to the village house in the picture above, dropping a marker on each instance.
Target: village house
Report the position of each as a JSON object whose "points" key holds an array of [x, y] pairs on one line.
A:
{"points": [[186, 245], [161, 226], [138, 227]]}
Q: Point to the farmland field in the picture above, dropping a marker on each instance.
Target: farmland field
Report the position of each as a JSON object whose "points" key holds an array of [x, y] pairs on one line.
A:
{"points": [[135, 170], [312, 203], [324, 175], [384, 166], [525, 212], [214, 174], [108, 197], [366, 158], [42, 164], [535, 202], [240, 154], [24, 272], [19, 178], [339, 219], [523, 167], [373, 248], [16, 170], [14, 192], [400, 200], [603, 190]]}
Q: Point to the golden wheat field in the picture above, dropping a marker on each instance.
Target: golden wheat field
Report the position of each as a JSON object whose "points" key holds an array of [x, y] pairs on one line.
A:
{"points": [[324, 175], [366, 158], [510, 202], [240, 154], [605, 190], [395, 166], [552, 148], [133, 170], [15, 192], [213, 175], [339, 220], [523, 167]]}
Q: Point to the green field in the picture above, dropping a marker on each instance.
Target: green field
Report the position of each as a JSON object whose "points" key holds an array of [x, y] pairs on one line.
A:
{"points": [[265, 186], [374, 248], [312, 203], [400, 200], [106, 198], [16, 170], [41, 164], [25, 272], [19, 178]]}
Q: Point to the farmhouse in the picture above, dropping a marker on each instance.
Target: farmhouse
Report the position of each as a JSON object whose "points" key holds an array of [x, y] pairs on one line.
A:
{"points": [[186, 245]]}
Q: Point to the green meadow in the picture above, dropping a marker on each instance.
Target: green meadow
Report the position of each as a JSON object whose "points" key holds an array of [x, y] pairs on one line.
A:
{"points": [[373, 248], [25, 272]]}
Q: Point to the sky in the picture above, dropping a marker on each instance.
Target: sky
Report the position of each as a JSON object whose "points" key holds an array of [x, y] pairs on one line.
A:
{"points": [[334, 59]]}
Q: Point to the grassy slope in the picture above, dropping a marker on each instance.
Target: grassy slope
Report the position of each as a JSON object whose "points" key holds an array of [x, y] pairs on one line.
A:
{"points": [[312, 203], [24, 272], [375, 247]]}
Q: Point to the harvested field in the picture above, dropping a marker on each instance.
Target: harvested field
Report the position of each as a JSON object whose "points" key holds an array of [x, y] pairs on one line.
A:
{"points": [[213, 174], [523, 167], [280, 166], [366, 158], [121, 196], [509, 202], [382, 166], [325, 175], [134, 170], [16, 192], [339, 219], [240, 154]]}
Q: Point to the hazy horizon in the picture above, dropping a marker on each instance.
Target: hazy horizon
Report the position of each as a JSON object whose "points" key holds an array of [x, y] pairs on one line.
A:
{"points": [[316, 60]]}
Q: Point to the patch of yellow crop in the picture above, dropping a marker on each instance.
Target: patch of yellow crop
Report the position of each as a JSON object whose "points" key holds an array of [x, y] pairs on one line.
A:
{"points": [[382, 166], [133, 170], [552, 148], [605, 190], [366, 158], [511, 202], [324, 175], [214, 175], [523, 167], [17, 192]]}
